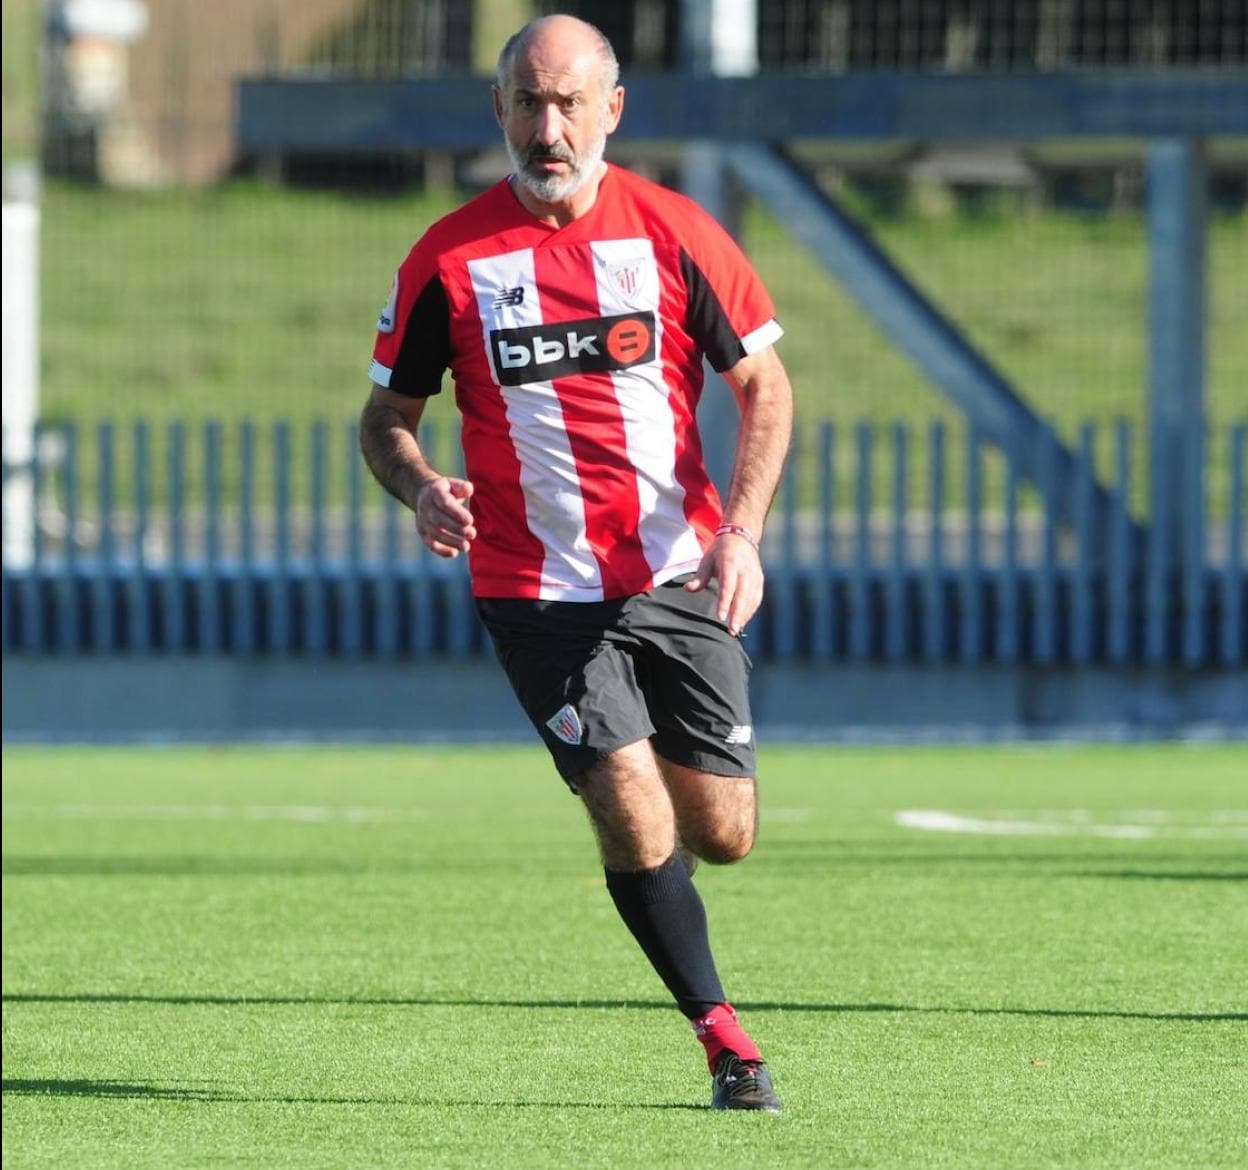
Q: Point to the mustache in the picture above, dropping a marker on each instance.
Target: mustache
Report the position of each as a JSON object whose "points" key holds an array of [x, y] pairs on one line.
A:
{"points": [[559, 153]]}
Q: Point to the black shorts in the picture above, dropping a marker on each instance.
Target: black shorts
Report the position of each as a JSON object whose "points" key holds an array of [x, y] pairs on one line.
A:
{"points": [[594, 676]]}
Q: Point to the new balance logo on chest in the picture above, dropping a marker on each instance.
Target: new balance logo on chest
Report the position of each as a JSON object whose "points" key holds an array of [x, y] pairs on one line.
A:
{"points": [[541, 353]]}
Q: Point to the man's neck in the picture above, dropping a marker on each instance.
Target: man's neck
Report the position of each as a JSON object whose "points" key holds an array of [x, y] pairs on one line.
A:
{"points": [[565, 211]]}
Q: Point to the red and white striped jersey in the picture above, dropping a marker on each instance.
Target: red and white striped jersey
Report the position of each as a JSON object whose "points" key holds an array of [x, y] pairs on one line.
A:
{"points": [[576, 354]]}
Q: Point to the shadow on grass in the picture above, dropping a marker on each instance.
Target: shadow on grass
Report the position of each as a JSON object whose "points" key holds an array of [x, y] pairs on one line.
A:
{"points": [[1159, 875], [144, 1091], [1144, 860], [607, 1004], [210, 866], [780, 855]]}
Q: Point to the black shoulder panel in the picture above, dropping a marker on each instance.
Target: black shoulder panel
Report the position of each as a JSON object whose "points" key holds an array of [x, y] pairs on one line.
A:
{"points": [[425, 351], [706, 320]]}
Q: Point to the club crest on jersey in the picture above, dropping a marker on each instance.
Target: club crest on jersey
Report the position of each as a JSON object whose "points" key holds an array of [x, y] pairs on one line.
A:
{"points": [[629, 279], [566, 724], [541, 353], [385, 322]]}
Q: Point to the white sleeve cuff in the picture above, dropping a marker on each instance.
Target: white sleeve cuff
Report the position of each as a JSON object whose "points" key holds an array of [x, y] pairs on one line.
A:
{"points": [[762, 337], [381, 374]]}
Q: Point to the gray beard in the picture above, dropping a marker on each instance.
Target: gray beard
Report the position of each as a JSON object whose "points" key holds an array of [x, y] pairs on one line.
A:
{"points": [[552, 188]]}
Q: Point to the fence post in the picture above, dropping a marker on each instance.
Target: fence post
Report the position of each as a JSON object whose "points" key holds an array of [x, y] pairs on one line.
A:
{"points": [[211, 617], [1234, 586], [32, 637], [1122, 611], [934, 578], [351, 610], [1192, 585], [388, 583], [1009, 608], [970, 624], [103, 615], [1044, 597], [69, 627], [824, 623], [897, 623], [1080, 611], [315, 624], [139, 612], [244, 639], [859, 584], [173, 634], [280, 640]]}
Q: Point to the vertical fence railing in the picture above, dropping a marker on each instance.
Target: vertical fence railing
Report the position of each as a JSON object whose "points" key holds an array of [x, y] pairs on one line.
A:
{"points": [[173, 608], [970, 609], [934, 577], [897, 611], [138, 610], [1121, 563], [212, 617], [823, 630], [1232, 592], [315, 586], [886, 545]]}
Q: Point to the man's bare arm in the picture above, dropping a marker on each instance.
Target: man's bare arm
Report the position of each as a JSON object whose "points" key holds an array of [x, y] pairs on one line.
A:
{"points": [[388, 439], [766, 399]]}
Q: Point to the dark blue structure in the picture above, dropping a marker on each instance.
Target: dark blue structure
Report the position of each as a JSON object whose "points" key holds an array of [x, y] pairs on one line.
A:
{"points": [[995, 618]]}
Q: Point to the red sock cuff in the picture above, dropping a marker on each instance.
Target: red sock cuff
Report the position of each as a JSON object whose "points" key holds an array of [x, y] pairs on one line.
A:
{"points": [[719, 1030]]}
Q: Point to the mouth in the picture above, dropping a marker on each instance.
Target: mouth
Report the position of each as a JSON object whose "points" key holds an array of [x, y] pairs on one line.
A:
{"points": [[548, 162]]}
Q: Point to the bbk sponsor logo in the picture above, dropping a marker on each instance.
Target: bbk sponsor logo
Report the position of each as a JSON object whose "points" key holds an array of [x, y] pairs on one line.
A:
{"points": [[541, 353]]}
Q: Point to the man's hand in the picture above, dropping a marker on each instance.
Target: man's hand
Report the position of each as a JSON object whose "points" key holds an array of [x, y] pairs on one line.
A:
{"points": [[734, 562], [442, 521]]}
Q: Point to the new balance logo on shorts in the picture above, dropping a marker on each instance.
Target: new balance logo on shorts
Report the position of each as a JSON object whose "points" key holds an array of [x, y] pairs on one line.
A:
{"points": [[740, 733], [566, 724], [540, 353]]}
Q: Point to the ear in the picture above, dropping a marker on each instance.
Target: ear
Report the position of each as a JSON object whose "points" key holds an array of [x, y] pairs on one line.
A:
{"points": [[615, 108], [497, 96]]}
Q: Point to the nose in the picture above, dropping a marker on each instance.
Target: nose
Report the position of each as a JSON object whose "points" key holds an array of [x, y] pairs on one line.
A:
{"points": [[550, 125]]}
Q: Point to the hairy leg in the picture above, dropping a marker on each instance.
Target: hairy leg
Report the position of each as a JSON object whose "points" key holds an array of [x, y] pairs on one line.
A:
{"points": [[628, 803], [716, 816]]}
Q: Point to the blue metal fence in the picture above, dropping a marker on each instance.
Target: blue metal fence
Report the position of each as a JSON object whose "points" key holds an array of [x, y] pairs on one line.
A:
{"points": [[248, 540]]}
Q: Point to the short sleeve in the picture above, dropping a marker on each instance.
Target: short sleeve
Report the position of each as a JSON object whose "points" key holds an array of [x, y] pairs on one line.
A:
{"points": [[728, 310], [413, 346]]}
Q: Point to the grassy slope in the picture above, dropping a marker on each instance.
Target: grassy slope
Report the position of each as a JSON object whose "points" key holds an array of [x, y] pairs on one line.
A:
{"points": [[19, 42], [438, 979], [246, 300]]}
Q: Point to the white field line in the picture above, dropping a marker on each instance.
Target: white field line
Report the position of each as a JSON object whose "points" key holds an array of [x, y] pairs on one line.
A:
{"points": [[1228, 823], [300, 813]]}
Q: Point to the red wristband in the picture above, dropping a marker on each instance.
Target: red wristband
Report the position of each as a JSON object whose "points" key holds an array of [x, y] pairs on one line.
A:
{"points": [[737, 530]]}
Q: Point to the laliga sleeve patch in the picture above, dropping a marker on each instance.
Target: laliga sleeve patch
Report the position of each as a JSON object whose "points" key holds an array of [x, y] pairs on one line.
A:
{"points": [[566, 724], [385, 323]]}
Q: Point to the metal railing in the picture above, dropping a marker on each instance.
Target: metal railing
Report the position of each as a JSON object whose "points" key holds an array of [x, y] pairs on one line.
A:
{"points": [[894, 545]]}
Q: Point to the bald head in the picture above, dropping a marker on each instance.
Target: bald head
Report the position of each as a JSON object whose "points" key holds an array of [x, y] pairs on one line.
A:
{"points": [[558, 38]]}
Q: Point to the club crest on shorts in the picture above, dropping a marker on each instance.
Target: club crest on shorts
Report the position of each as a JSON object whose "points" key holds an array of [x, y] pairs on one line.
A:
{"points": [[566, 724]]}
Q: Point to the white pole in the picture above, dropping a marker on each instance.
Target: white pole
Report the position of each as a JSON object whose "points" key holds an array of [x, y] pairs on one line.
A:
{"points": [[719, 39], [21, 359]]}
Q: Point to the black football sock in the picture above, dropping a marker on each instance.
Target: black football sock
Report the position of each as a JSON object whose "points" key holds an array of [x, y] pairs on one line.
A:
{"points": [[664, 911]]}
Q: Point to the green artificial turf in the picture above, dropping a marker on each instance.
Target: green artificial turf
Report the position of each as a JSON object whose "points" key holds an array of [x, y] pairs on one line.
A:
{"points": [[406, 957]]}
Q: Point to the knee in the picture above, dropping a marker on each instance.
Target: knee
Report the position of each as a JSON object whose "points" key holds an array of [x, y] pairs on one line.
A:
{"points": [[723, 845]]}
